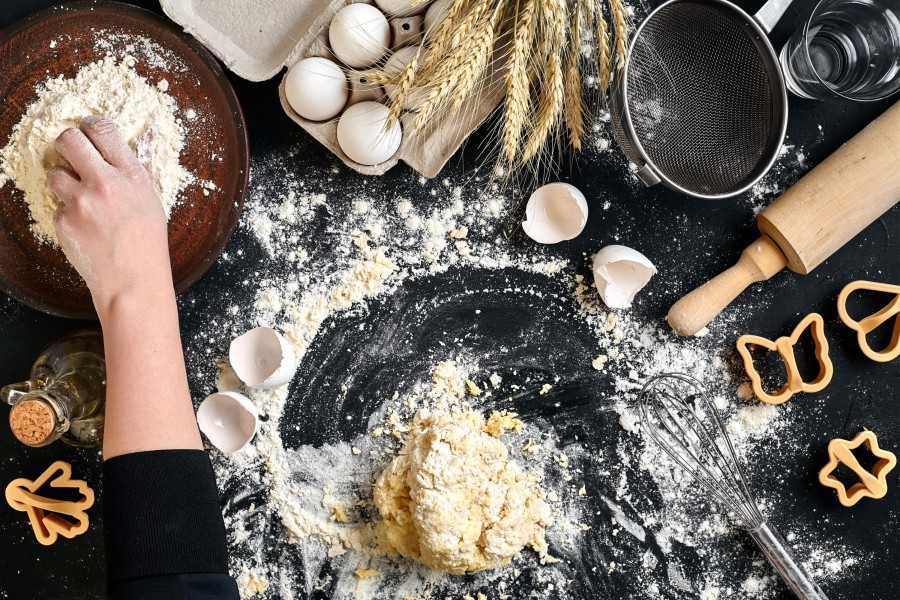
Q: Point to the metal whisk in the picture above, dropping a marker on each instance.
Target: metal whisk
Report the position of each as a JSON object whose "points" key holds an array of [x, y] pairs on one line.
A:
{"points": [[677, 413]]}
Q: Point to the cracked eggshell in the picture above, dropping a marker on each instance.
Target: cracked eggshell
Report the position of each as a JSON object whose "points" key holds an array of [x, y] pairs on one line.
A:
{"points": [[619, 273], [555, 212], [262, 358], [228, 420]]}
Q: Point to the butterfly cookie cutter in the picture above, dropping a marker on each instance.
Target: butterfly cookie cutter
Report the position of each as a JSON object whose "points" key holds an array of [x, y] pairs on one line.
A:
{"points": [[785, 348], [871, 485], [872, 322], [46, 514]]}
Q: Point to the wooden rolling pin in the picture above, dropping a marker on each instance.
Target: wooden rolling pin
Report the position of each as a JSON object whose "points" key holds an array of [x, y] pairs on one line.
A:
{"points": [[810, 221]]}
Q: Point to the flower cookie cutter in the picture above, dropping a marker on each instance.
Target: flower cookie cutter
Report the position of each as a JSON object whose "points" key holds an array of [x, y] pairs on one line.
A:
{"points": [[785, 348], [871, 485], [45, 513], [872, 322]]}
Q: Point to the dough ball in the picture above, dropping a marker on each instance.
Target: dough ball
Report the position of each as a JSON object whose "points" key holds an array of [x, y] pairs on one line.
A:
{"points": [[452, 499]]}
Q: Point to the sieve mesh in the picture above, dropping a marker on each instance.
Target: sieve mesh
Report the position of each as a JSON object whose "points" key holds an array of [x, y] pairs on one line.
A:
{"points": [[701, 98]]}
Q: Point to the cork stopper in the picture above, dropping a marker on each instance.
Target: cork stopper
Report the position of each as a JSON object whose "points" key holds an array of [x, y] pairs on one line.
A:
{"points": [[32, 422]]}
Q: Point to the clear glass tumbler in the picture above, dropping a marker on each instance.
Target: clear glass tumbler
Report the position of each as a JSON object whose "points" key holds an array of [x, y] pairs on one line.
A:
{"points": [[848, 49]]}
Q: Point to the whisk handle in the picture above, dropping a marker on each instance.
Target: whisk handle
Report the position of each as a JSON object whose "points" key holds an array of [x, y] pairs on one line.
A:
{"points": [[778, 553]]}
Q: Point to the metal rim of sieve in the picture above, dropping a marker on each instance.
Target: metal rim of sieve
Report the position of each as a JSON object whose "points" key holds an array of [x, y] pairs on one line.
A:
{"points": [[623, 127]]}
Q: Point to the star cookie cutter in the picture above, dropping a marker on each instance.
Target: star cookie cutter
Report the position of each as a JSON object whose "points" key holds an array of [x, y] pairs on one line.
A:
{"points": [[871, 485], [44, 513], [785, 348], [872, 322]]}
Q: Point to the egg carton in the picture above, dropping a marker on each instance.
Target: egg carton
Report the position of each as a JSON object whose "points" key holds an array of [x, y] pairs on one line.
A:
{"points": [[256, 39]]}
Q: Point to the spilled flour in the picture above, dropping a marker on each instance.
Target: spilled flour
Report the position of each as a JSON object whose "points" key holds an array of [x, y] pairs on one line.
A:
{"points": [[393, 307], [143, 111]]}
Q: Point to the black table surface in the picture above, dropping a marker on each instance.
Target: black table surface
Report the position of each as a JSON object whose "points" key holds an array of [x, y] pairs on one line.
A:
{"points": [[863, 394]]}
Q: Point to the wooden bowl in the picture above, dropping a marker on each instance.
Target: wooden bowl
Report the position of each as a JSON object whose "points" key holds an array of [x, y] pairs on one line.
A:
{"points": [[61, 40]]}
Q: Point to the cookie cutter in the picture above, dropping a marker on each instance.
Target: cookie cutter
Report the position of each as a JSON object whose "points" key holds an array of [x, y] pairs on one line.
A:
{"points": [[785, 348], [45, 513], [871, 485], [872, 322]]}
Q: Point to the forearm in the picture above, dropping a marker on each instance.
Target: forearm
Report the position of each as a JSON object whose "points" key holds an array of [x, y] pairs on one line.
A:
{"points": [[148, 404]]}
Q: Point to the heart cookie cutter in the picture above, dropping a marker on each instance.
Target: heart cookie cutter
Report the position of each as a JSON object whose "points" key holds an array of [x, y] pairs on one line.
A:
{"points": [[785, 348], [45, 513], [871, 485], [872, 322]]}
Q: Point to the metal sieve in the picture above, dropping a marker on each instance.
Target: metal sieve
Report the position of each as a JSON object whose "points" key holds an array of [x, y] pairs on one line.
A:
{"points": [[701, 103]]}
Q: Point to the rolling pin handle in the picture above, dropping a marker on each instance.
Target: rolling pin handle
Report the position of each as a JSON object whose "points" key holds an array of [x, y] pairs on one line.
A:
{"points": [[760, 260]]}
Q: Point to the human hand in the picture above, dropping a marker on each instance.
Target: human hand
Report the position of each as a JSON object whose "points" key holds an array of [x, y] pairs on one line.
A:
{"points": [[110, 223]]}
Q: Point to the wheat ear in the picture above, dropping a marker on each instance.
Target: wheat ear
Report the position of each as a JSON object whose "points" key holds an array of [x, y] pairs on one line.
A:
{"points": [[515, 109], [550, 106], [604, 55], [404, 85], [551, 100], [574, 104], [620, 23], [474, 67], [438, 41]]}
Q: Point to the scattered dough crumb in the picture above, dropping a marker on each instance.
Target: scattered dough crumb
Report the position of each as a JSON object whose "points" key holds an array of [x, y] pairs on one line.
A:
{"points": [[339, 514], [367, 573]]}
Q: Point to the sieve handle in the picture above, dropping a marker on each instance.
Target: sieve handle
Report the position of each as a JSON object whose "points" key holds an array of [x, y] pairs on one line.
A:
{"points": [[760, 261], [778, 553], [769, 15]]}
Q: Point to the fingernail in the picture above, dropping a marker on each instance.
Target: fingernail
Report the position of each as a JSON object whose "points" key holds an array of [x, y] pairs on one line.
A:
{"points": [[90, 120]]}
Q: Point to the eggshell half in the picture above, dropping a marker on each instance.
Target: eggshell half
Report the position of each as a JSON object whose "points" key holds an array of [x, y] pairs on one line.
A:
{"points": [[555, 212], [620, 273], [228, 420], [262, 358]]}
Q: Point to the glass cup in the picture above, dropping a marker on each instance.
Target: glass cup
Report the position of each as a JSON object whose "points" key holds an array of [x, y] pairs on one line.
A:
{"points": [[848, 49]]}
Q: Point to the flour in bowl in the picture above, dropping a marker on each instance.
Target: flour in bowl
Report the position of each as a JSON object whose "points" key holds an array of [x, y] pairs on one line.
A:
{"points": [[106, 87]]}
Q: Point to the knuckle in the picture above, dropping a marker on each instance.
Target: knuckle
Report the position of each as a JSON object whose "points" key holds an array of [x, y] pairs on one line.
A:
{"points": [[68, 135], [102, 126]]}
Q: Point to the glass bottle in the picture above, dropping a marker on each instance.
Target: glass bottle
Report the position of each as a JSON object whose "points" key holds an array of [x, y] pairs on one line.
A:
{"points": [[65, 396]]}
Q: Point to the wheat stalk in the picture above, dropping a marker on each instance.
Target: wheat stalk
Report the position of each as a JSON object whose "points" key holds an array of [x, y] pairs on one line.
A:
{"points": [[574, 105], [541, 56], [402, 88], [620, 23], [549, 108], [551, 100], [604, 56], [439, 42], [474, 68], [517, 86], [376, 77]]}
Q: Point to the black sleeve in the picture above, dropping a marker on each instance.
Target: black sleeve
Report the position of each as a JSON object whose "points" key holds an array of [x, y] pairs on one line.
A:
{"points": [[163, 528]]}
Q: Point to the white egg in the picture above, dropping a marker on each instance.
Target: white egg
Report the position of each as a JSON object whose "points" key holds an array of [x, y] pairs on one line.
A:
{"points": [[619, 273], [555, 212], [398, 8], [316, 88], [363, 136], [435, 14], [394, 65], [262, 358], [359, 35], [228, 419]]}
